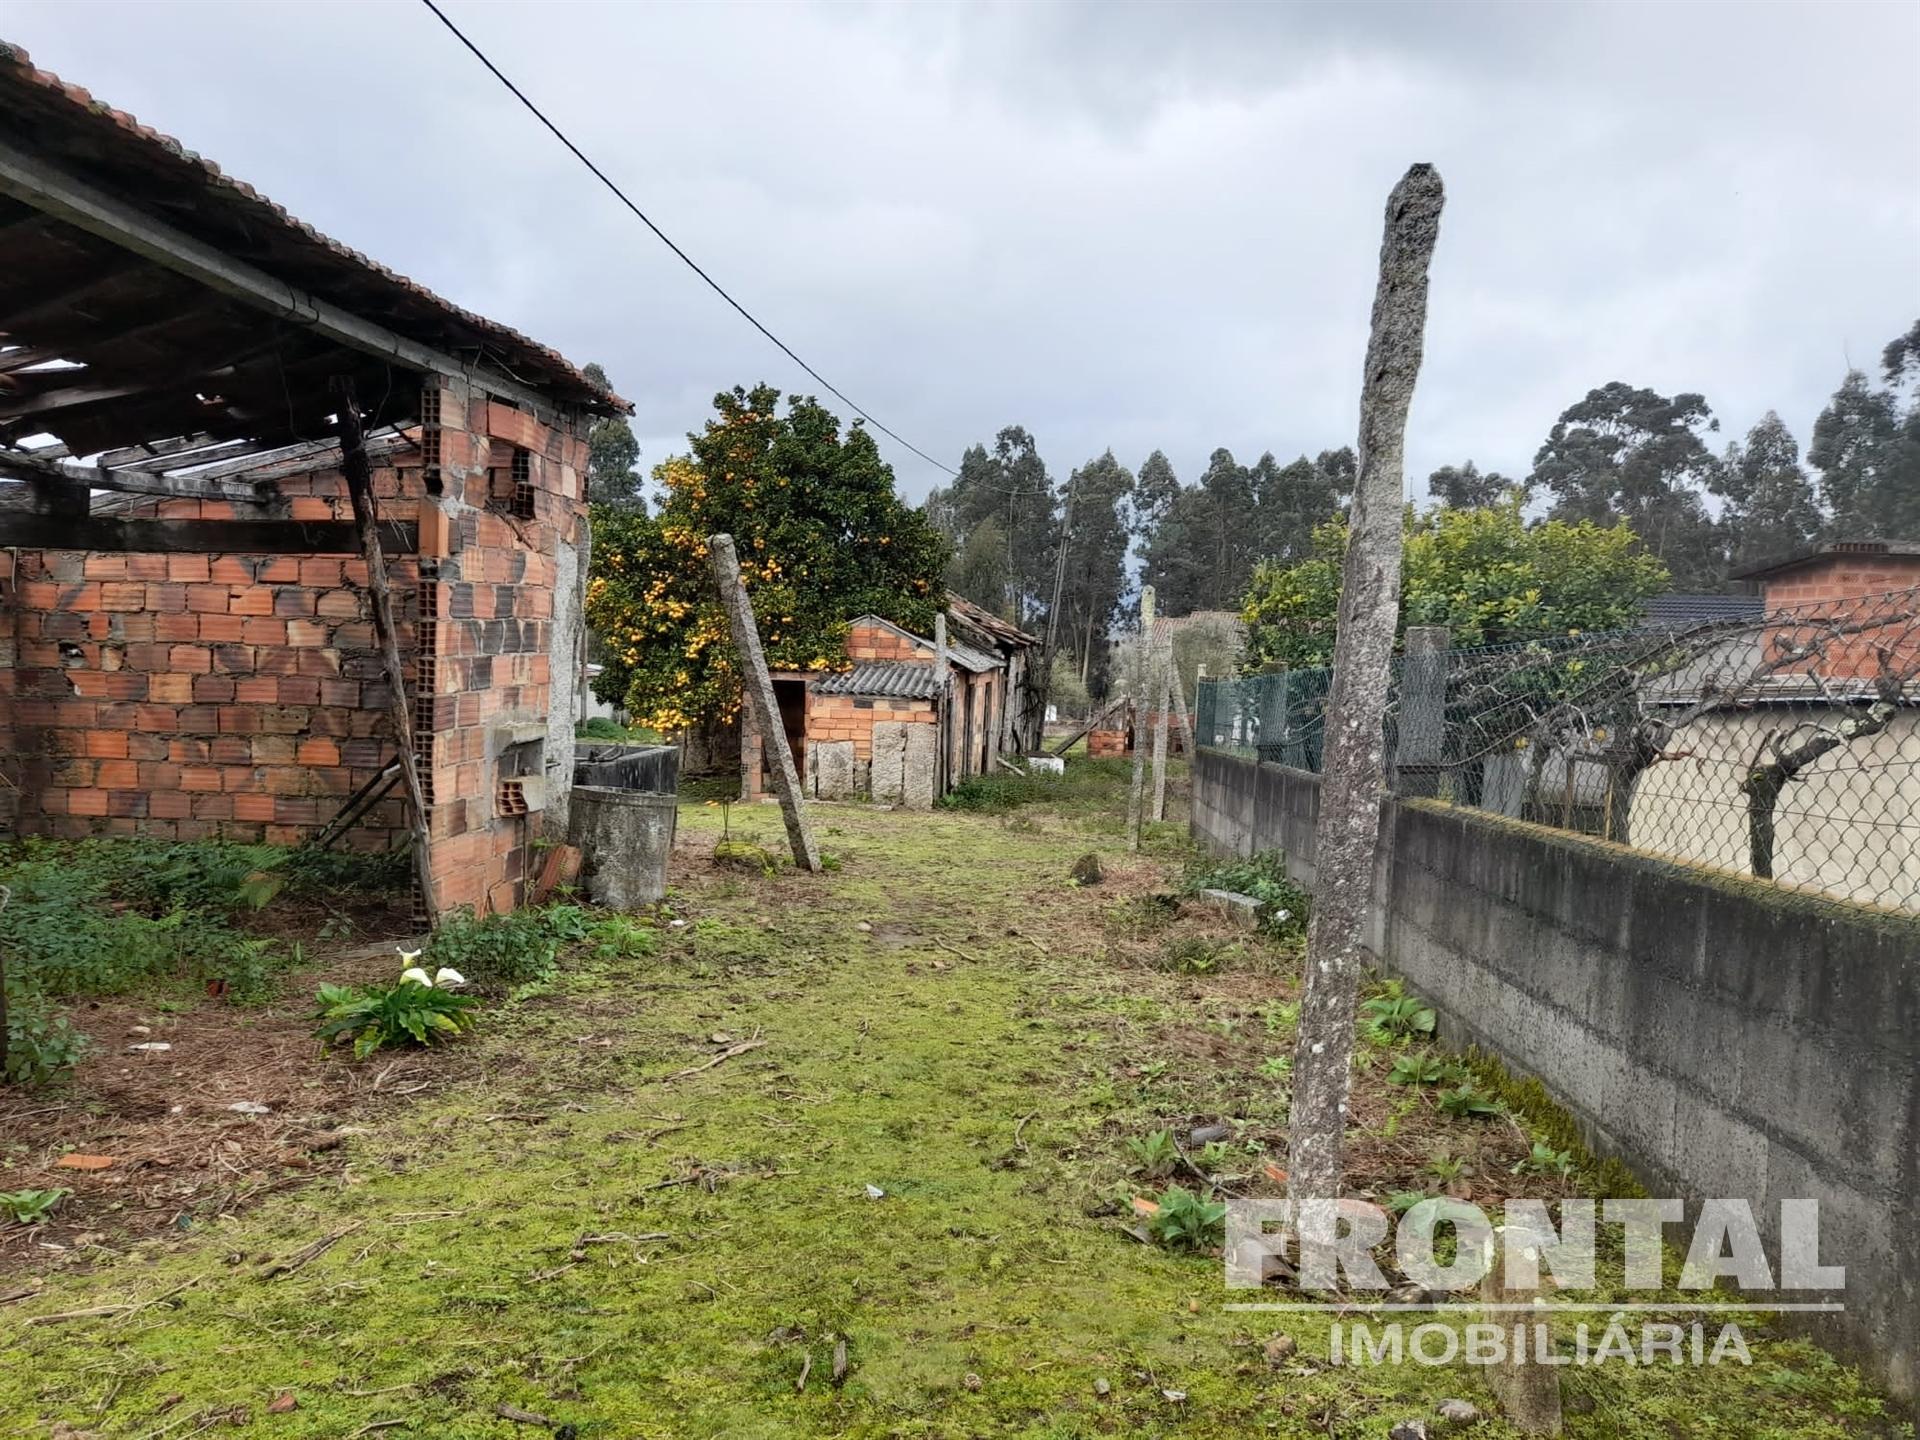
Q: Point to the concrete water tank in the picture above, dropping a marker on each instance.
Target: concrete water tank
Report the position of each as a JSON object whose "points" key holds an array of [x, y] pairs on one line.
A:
{"points": [[622, 818]]}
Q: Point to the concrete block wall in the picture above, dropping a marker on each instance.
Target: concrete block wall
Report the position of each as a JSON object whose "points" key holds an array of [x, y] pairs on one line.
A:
{"points": [[1722, 1037]]}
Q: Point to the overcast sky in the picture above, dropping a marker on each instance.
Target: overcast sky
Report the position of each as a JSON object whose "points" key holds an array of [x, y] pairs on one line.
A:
{"points": [[1132, 226]]}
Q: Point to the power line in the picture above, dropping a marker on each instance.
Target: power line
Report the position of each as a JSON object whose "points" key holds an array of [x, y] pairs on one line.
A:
{"points": [[685, 258]]}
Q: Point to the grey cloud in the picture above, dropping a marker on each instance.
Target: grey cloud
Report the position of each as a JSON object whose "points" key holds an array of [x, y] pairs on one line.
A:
{"points": [[1133, 226]]}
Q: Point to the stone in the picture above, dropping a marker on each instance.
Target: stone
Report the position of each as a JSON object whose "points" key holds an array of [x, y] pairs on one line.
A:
{"points": [[1207, 1134], [889, 761], [1102, 1388], [1086, 870], [919, 767], [1408, 1430], [1279, 1350], [1458, 1412], [830, 768]]}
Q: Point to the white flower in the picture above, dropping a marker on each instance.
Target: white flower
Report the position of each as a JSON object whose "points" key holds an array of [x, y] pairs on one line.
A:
{"points": [[417, 975], [407, 957], [446, 977]]}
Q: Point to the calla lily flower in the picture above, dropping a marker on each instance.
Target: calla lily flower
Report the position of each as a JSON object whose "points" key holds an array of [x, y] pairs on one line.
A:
{"points": [[446, 977], [418, 976], [407, 957]]}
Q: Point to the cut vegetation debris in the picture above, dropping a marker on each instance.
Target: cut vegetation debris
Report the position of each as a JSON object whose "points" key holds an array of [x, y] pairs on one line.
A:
{"points": [[679, 1241]]}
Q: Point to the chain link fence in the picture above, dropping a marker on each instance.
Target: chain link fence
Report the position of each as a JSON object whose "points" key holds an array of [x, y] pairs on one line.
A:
{"points": [[1785, 745]]}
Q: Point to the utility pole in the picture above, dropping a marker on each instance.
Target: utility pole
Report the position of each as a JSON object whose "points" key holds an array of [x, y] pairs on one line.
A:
{"points": [[1045, 690], [1144, 660], [1163, 684]]}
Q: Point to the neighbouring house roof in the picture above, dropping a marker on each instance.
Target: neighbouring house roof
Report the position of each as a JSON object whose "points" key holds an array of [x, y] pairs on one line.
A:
{"points": [[959, 652], [889, 679], [1832, 550], [991, 627], [1665, 612], [142, 264]]}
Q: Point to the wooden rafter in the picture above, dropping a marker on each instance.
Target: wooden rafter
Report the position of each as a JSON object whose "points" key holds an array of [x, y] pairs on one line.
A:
{"points": [[23, 465], [30, 179]]}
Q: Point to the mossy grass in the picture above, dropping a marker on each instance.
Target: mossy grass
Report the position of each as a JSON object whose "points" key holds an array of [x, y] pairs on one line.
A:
{"points": [[941, 1021]]}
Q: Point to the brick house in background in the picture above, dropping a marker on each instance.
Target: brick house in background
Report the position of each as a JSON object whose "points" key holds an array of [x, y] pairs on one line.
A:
{"points": [[893, 727], [187, 639]]}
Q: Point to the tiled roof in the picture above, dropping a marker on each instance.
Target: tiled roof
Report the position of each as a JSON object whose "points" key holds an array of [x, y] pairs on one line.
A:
{"points": [[889, 679], [959, 652], [156, 173], [999, 631], [1666, 611]]}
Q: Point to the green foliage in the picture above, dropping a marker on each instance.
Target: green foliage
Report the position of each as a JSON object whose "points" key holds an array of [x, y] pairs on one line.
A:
{"points": [[612, 454], [822, 539], [1281, 1016], [1545, 1160], [1154, 1154], [619, 937], [1866, 445], [1468, 1101], [1000, 516], [403, 1013], [41, 1047], [1487, 575], [1446, 1168], [1401, 1201], [1186, 1221], [1195, 955], [1395, 1015], [30, 1207], [1425, 1069], [518, 948], [1086, 783], [1275, 1067], [1635, 457], [601, 727], [1283, 904]]}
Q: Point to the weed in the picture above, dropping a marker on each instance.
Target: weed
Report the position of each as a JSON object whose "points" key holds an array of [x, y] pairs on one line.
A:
{"points": [[619, 938], [1275, 1067], [518, 948], [41, 1047], [1446, 1168], [1395, 1015], [1195, 955], [1401, 1201], [1186, 1221], [1545, 1160], [1281, 1016], [30, 1207], [1214, 1155], [1282, 903], [1468, 1101], [1154, 1155], [1425, 1069], [1086, 782]]}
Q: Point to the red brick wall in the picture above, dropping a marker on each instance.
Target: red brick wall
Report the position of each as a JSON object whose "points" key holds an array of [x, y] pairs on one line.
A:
{"points": [[1843, 588], [876, 642], [198, 696], [846, 717], [240, 696]]}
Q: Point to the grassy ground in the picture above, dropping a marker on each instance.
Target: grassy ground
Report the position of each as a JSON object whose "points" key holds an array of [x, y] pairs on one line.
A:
{"points": [[585, 1231]]}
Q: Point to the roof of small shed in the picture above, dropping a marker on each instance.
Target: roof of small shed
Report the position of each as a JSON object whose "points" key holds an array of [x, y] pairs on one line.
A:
{"points": [[881, 679]]}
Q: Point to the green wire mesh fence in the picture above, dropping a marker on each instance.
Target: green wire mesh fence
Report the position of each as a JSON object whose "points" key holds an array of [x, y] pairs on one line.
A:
{"points": [[1784, 745]]}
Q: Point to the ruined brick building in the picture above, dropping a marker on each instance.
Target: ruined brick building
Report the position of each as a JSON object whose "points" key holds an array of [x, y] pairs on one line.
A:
{"points": [[189, 643]]}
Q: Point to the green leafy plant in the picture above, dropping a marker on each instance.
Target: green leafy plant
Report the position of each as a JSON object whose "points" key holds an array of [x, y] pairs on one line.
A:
{"points": [[1281, 1016], [415, 1010], [1395, 1015], [1446, 1168], [1155, 1154], [518, 948], [30, 1207], [1468, 1102], [1215, 1154], [1186, 1221], [41, 1047], [1194, 955], [1401, 1201], [1425, 1069], [1275, 1067], [1283, 905], [619, 937], [1545, 1160]]}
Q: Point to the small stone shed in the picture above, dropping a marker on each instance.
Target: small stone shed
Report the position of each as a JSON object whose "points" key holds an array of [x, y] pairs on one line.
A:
{"points": [[191, 596]]}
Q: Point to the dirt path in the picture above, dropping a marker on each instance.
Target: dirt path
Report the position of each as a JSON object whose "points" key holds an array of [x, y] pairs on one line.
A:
{"points": [[588, 1234]]}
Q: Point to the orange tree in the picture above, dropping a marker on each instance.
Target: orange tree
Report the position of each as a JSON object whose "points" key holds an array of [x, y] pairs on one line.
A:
{"points": [[822, 538]]}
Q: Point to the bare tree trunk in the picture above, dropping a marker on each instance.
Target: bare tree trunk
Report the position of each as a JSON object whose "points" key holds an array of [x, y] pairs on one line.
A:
{"points": [[1139, 687], [1353, 768], [1764, 783]]}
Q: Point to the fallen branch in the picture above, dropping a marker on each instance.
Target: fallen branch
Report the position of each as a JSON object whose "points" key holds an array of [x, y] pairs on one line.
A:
{"points": [[92, 1312], [293, 1262], [724, 1055], [374, 1425], [521, 1417], [806, 1369], [956, 950]]}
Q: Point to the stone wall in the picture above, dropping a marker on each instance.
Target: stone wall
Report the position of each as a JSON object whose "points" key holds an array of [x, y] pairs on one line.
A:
{"points": [[1721, 1036]]}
